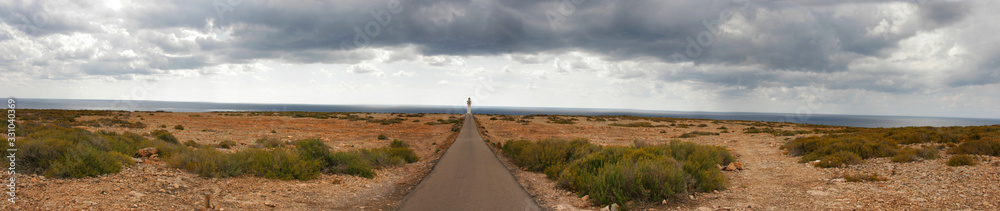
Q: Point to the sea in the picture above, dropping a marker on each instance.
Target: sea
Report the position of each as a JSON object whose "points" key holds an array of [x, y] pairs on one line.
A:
{"points": [[870, 121]]}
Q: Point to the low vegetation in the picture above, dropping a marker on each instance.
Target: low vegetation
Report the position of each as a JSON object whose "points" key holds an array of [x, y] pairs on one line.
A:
{"points": [[863, 177], [962, 160], [848, 146], [62, 152], [269, 143], [636, 124], [227, 144], [113, 122], [910, 154], [307, 160], [164, 135], [560, 120], [614, 174], [697, 133], [775, 132], [985, 146], [72, 152]]}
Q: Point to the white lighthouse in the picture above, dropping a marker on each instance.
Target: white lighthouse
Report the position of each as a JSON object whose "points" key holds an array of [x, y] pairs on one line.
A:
{"points": [[468, 108]]}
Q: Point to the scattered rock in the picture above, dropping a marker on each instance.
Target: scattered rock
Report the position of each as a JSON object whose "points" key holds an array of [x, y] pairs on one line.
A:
{"points": [[703, 209], [146, 152], [739, 166], [720, 166], [585, 198], [136, 194], [270, 204], [564, 207], [730, 167], [664, 202], [817, 193], [136, 160], [614, 207]]}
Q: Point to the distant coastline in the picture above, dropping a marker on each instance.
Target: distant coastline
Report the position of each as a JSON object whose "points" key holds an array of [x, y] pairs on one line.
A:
{"points": [[822, 119]]}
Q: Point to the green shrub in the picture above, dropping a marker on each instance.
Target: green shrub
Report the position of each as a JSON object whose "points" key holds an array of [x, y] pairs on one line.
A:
{"points": [[560, 120], [397, 143], [838, 159], [962, 160], [382, 137], [820, 147], [85, 161], [644, 180], [208, 163], [863, 177], [404, 153], [178, 127], [165, 136], [269, 143], [928, 152], [387, 121], [380, 157], [313, 149], [697, 133], [985, 146], [910, 154], [285, 164], [905, 155], [280, 163], [191, 143], [227, 144], [548, 153], [59, 151], [362, 162], [623, 174], [637, 124]]}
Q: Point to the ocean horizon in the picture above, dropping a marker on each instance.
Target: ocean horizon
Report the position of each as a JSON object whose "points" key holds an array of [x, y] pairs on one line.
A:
{"points": [[870, 121]]}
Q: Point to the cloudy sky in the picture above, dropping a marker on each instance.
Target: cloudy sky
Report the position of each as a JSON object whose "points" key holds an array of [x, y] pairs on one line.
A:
{"points": [[914, 58]]}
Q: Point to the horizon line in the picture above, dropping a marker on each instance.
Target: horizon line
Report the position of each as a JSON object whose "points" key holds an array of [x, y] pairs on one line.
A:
{"points": [[487, 106]]}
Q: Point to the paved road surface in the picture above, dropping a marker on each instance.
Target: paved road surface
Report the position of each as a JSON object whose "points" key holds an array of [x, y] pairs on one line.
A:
{"points": [[469, 177]]}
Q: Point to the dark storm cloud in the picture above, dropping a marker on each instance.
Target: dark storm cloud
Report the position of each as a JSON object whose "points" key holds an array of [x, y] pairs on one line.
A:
{"points": [[785, 36], [774, 37], [942, 13], [40, 18]]}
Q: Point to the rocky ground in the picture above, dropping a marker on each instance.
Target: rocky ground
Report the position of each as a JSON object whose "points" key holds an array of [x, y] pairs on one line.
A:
{"points": [[152, 185], [772, 180]]}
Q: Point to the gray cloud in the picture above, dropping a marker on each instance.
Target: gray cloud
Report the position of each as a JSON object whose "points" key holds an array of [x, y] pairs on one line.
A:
{"points": [[752, 45]]}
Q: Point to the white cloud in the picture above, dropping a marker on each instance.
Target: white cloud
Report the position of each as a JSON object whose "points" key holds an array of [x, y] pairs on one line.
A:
{"points": [[363, 68], [443, 60], [403, 74]]}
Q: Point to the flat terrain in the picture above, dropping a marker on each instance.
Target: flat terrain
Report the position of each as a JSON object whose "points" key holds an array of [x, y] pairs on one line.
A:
{"points": [[772, 180], [469, 177], [152, 185]]}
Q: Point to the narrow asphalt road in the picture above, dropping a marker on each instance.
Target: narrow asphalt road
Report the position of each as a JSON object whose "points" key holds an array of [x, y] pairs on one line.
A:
{"points": [[469, 177]]}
